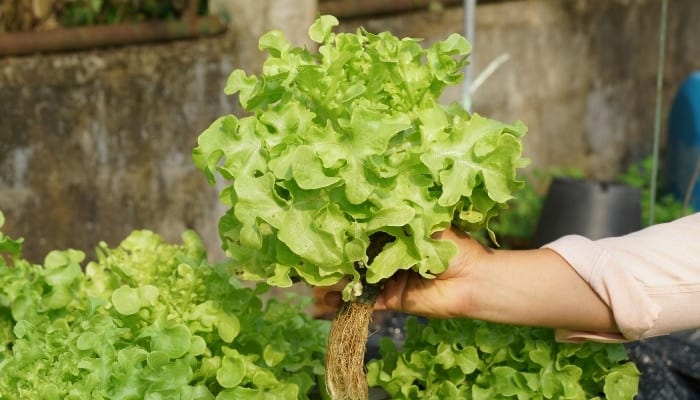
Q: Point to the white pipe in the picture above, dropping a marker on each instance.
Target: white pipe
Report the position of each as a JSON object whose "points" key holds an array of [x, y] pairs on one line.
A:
{"points": [[487, 72]]}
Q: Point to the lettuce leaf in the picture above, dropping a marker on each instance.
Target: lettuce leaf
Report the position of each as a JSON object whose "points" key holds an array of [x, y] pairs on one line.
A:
{"points": [[149, 320], [470, 359], [347, 142]]}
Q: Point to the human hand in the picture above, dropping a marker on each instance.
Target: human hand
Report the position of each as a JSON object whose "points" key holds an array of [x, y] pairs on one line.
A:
{"points": [[408, 292], [522, 287], [445, 296]]}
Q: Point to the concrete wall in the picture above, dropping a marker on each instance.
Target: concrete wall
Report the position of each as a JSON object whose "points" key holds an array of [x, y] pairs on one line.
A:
{"points": [[248, 20], [95, 144]]}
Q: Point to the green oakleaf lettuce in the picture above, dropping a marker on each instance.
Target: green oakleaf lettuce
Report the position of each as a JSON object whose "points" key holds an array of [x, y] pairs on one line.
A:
{"points": [[149, 320], [347, 142], [468, 359], [9, 246]]}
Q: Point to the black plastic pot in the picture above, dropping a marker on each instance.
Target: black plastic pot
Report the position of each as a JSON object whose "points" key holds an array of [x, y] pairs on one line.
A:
{"points": [[588, 208]]}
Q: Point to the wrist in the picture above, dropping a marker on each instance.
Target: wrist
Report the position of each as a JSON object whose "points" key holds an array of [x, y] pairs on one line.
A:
{"points": [[534, 288]]}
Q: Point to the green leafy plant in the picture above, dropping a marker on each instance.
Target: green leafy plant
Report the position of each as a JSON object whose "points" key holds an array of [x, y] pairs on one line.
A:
{"points": [[30, 15], [475, 360], [148, 320], [667, 207], [94, 12], [346, 167], [515, 226]]}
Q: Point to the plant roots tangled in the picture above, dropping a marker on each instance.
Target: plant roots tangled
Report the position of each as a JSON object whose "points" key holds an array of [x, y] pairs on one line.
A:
{"points": [[347, 341]]}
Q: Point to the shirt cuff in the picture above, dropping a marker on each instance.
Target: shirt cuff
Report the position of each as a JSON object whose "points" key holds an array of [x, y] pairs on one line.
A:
{"points": [[567, 336], [633, 309]]}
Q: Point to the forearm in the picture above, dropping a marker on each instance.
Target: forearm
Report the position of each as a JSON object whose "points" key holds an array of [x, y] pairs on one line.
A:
{"points": [[650, 279], [625, 288], [533, 287]]}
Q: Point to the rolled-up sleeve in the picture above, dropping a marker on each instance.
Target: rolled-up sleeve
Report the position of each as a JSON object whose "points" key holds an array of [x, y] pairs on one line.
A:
{"points": [[650, 279]]}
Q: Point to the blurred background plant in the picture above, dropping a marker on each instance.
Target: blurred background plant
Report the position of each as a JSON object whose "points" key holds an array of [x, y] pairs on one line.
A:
{"points": [[515, 226], [37, 15], [667, 208]]}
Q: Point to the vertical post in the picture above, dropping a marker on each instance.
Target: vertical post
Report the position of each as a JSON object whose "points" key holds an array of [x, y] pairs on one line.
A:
{"points": [[469, 22], [657, 114]]}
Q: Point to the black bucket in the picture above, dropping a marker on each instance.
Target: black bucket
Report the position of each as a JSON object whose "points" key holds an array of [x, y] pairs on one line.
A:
{"points": [[588, 208]]}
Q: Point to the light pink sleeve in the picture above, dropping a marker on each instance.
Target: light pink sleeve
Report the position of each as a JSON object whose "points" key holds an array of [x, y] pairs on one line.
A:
{"points": [[650, 279]]}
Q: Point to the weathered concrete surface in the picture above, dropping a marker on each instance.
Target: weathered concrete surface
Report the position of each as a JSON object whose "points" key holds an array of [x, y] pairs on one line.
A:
{"points": [[96, 144], [248, 20], [581, 73]]}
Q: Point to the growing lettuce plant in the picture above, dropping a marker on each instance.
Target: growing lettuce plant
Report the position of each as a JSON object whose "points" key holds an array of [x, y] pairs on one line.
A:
{"points": [[148, 320], [348, 142], [346, 166], [476, 360]]}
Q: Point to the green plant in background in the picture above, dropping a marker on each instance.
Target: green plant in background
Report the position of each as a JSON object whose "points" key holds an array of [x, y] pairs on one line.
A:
{"points": [[667, 207], [474, 360], [29, 15], [93, 12], [514, 226], [148, 320]]}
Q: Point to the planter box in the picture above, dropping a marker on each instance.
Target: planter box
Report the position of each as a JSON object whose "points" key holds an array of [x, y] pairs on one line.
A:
{"points": [[66, 39]]}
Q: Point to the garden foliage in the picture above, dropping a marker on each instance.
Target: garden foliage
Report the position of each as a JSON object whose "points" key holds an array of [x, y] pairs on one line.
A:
{"points": [[148, 320], [475, 360]]}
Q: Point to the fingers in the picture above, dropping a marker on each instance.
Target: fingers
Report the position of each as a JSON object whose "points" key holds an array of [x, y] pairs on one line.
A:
{"points": [[380, 304], [333, 299], [391, 298], [395, 294]]}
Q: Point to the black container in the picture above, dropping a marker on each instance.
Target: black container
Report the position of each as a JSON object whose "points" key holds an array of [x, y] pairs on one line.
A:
{"points": [[588, 208]]}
